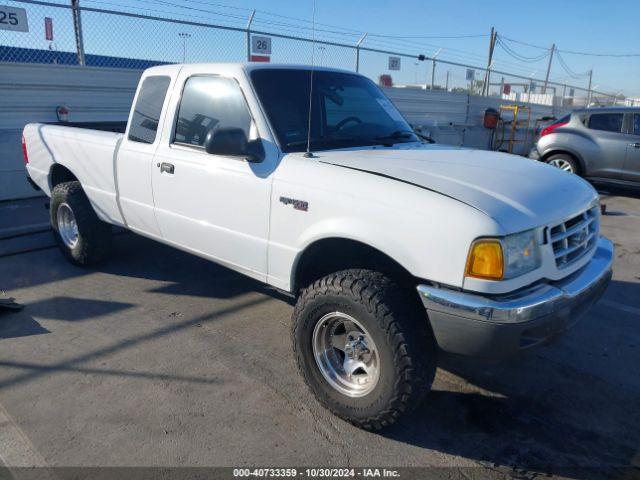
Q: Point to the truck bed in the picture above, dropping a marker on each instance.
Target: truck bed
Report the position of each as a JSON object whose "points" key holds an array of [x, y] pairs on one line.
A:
{"points": [[87, 149]]}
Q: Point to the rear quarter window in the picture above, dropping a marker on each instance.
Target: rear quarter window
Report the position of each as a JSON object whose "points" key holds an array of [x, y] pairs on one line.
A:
{"points": [[146, 113], [608, 122]]}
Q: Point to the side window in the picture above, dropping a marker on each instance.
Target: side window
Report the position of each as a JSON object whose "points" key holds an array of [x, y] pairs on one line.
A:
{"points": [[210, 102], [609, 122], [146, 113], [636, 123]]}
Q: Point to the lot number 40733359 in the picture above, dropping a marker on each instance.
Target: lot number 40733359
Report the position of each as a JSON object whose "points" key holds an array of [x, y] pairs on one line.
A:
{"points": [[14, 19]]}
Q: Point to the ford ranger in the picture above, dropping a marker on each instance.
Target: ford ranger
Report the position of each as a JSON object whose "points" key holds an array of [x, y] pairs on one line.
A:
{"points": [[310, 180]]}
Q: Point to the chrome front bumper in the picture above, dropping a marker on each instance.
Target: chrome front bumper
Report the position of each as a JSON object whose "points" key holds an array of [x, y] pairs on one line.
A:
{"points": [[499, 326]]}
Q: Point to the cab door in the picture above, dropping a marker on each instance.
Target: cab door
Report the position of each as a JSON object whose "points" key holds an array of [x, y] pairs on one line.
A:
{"points": [[133, 166], [212, 205], [632, 159]]}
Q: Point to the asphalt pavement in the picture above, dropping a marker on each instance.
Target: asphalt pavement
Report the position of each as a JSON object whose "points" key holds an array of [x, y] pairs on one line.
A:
{"points": [[159, 358]]}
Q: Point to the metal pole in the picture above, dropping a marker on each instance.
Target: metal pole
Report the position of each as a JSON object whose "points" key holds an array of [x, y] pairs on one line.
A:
{"points": [[564, 94], [433, 68], [501, 87], [358, 51], [447, 82], [253, 12], [77, 26], [589, 88], [433, 73], [546, 78], [487, 72], [184, 36]]}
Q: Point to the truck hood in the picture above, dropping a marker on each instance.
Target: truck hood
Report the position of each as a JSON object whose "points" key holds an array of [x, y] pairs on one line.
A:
{"points": [[516, 192]]}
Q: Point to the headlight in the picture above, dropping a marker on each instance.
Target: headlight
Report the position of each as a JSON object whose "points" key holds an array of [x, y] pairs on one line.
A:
{"points": [[503, 258]]}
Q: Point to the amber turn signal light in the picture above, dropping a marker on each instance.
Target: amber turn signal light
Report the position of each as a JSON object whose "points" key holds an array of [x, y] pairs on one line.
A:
{"points": [[485, 260]]}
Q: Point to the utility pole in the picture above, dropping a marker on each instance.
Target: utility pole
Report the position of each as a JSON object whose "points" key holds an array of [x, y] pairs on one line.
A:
{"points": [[253, 12], [433, 67], [546, 79], [447, 82], [487, 72], [77, 26], [589, 88]]}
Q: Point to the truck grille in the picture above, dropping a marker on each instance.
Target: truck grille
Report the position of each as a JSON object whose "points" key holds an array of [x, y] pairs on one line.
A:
{"points": [[575, 237]]}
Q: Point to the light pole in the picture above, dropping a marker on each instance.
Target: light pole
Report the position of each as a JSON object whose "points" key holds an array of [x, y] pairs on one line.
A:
{"points": [[184, 36]]}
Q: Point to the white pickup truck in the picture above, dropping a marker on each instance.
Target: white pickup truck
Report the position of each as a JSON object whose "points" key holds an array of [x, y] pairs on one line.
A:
{"points": [[393, 247]]}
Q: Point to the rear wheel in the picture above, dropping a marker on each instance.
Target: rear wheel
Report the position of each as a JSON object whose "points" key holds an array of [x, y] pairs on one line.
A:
{"points": [[564, 162], [81, 236], [364, 347]]}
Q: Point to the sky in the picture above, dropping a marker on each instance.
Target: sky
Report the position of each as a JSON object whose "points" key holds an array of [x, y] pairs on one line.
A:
{"points": [[580, 25], [585, 26]]}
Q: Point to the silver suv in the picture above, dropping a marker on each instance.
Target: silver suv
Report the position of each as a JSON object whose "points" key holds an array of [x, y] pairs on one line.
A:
{"points": [[601, 144]]}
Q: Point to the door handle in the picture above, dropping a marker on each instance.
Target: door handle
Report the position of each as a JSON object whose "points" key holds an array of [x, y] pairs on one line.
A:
{"points": [[634, 145], [167, 168]]}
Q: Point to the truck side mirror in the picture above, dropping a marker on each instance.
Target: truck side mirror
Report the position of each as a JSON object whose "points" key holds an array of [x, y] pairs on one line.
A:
{"points": [[232, 141]]}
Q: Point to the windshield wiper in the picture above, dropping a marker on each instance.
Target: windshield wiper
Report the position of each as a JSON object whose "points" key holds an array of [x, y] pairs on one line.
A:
{"points": [[397, 135], [324, 141], [404, 134], [426, 138]]}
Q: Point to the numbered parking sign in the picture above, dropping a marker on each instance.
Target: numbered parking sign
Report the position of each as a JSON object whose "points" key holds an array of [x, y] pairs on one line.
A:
{"points": [[261, 45], [14, 19], [394, 63]]}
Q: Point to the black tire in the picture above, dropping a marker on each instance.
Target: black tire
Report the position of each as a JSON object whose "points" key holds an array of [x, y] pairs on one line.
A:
{"points": [[94, 236], [397, 324], [567, 159]]}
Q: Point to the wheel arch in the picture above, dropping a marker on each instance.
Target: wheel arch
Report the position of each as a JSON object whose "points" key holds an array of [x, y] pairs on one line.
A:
{"points": [[332, 254], [59, 174]]}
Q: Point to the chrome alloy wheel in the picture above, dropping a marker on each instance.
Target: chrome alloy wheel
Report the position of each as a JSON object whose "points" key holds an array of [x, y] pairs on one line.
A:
{"points": [[346, 354], [67, 226], [562, 164]]}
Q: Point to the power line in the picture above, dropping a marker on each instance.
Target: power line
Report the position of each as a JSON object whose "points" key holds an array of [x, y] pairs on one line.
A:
{"points": [[510, 51], [574, 52], [428, 36], [524, 43], [566, 68], [612, 55]]}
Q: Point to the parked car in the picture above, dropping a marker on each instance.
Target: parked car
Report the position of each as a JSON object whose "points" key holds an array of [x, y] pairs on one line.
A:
{"points": [[392, 247], [601, 144]]}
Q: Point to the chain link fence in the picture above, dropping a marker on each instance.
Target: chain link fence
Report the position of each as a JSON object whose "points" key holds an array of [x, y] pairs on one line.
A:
{"points": [[60, 33]]}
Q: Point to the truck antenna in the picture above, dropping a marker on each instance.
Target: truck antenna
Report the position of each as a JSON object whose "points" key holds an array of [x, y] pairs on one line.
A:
{"points": [[308, 153]]}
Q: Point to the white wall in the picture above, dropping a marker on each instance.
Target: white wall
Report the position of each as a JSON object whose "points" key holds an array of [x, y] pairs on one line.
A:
{"points": [[31, 93], [456, 118]]}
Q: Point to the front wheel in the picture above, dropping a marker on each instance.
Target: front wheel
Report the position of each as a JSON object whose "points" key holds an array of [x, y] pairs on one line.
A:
{"points": [[81, 236], [364, 347]]}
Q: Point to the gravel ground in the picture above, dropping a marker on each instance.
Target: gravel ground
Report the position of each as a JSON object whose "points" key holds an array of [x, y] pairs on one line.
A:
{"points": [[159, 358]]}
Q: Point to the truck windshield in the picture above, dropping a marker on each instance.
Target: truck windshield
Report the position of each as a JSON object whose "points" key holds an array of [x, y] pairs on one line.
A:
{"points": [[346, 110]]}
